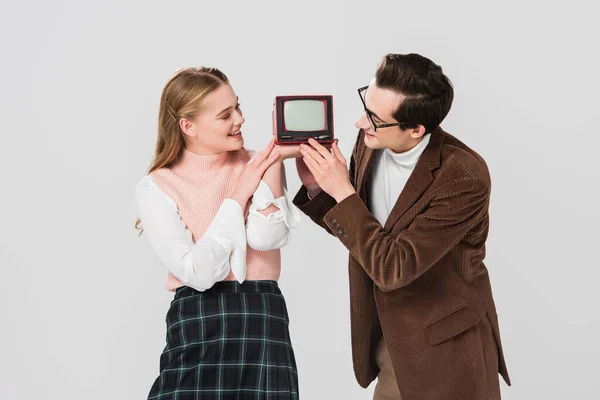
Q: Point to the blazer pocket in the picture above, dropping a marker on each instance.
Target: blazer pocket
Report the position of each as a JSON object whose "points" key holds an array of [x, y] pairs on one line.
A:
{"points": [[451, 325]]}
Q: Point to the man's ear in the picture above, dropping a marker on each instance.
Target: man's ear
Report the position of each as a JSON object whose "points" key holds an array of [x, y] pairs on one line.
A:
{"points": [[417, 132]]}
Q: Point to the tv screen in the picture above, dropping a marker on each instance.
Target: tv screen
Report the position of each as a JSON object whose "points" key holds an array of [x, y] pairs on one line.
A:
{"points": [[304, 115], [298, 118]]}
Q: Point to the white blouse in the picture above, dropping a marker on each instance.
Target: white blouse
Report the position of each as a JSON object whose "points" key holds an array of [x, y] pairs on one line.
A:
{"points": [[223, 246]]}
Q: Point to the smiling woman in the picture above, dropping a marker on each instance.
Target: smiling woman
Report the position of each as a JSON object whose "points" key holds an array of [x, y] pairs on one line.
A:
{"points": [[227, 328]]}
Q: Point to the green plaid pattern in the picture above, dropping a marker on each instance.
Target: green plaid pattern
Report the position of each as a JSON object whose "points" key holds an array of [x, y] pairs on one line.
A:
{"points": [[228, 342]]}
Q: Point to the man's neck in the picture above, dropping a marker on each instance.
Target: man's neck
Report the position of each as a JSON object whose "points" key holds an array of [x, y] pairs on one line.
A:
{"points": [[406, 146]]}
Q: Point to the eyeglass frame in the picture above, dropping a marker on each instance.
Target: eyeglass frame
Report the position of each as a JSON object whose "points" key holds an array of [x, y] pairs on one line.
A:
{"points": [[373, 124]]}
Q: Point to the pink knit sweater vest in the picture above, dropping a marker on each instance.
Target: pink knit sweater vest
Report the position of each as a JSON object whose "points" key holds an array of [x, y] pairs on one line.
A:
{"points": [[198, 184]]}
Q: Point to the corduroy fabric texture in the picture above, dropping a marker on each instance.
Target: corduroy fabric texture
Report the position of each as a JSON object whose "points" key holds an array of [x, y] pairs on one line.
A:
{"points": [[420, 280]]}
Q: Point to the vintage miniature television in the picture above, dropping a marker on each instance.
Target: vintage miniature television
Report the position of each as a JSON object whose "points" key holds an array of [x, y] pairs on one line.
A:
{"points": [[298, 118]]}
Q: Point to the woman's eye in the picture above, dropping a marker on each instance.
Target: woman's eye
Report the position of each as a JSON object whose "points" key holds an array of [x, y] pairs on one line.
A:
{"points": [[237, 107]]}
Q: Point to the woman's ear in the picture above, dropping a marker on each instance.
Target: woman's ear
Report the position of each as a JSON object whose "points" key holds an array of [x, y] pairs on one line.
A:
{"points": [[187, 127]]}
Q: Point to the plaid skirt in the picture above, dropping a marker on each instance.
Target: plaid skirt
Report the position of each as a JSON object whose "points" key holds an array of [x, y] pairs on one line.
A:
{"points": [[228, 342]]}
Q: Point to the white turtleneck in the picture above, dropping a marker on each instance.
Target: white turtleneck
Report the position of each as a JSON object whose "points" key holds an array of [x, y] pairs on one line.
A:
{"points": [[389, 175]]}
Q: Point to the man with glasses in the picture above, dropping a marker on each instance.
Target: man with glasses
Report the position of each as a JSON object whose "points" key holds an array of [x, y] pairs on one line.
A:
{"points": [[412, 210]]}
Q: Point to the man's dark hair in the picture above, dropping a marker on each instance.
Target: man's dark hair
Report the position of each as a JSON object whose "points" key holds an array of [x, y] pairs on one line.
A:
{"points": [[429, 93]]}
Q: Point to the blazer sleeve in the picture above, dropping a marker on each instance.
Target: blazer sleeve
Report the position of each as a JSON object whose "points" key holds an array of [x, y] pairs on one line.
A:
{"points": [[321, 204], [394, 260]]}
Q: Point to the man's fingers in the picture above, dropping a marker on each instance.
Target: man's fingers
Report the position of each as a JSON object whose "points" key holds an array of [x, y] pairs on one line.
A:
{"points": [[314, 154], [320, 148], [338, 154], [312, 165]]}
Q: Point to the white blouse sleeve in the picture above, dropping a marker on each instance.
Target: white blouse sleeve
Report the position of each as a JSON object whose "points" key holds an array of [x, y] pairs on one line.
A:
{"points": [[198, 265], [267, 232]]}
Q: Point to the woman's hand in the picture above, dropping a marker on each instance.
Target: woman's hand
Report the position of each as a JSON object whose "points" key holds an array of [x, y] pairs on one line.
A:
{"points": [[288, 151], [252, 174]]}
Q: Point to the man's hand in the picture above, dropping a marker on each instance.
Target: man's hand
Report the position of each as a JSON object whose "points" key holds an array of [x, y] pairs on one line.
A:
{"points": [[290, 151], [330, 171], [307, 178]]}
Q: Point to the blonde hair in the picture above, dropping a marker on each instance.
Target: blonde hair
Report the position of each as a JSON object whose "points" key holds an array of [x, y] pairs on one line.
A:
{"points": [[181, 97]]}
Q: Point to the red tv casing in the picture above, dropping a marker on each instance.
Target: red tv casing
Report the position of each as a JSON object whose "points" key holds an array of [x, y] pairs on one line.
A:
{"points": [[283, 136]]}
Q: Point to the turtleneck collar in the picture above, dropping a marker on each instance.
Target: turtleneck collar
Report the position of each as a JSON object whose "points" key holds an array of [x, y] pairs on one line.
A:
{"points": [[202, 163], [410, 157]]}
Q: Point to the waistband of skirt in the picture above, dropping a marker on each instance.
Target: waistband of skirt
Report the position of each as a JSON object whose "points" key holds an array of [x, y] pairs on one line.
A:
{"points": [[231, 287]]}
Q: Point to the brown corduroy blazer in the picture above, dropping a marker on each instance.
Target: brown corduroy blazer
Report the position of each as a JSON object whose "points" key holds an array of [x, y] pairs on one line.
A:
{"points": [[420, 280]]}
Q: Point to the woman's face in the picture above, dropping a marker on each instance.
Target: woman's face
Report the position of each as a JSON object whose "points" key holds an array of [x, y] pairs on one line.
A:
{"points": [[217, 127]]}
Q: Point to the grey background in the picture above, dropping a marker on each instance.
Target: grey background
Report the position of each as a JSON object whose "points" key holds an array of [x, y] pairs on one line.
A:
{"points": [[82, 298]]}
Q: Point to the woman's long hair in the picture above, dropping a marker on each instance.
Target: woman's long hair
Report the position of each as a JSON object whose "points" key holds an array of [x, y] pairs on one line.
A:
{"points": [[181, 98]]}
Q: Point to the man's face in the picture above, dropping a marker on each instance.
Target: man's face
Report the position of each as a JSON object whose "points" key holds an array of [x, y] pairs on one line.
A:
{"points": [[381, 104]]}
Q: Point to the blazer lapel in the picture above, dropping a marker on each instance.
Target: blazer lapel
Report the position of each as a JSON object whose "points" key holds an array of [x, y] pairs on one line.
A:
{"points": [[420, 179]]}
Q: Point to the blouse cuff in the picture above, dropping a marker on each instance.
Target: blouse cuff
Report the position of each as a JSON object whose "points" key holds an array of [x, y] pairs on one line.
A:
{"points": [[263, 198]]}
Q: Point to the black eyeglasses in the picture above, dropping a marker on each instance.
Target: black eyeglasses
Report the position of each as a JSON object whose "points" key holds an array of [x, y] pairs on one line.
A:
{"points": [[373, 124]]}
